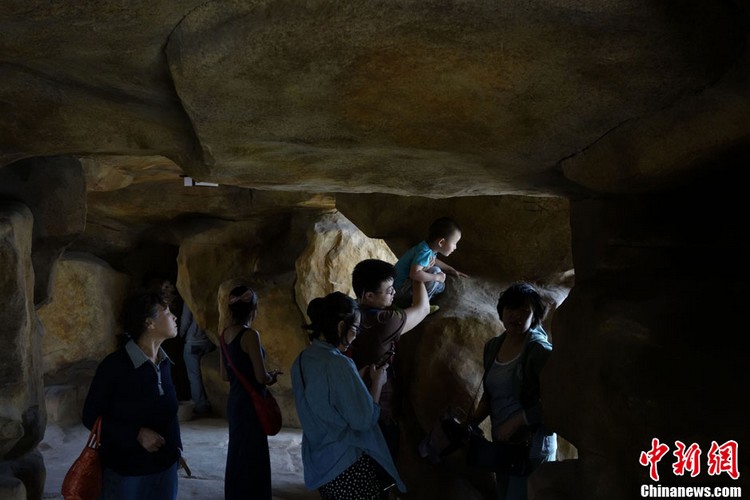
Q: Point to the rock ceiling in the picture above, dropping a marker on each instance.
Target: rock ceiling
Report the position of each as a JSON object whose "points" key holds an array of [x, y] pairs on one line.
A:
{"points": [[422, 97]]}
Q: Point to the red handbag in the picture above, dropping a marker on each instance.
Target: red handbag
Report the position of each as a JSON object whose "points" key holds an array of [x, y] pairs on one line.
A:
{"points": [[266, 407], [83, 481]]}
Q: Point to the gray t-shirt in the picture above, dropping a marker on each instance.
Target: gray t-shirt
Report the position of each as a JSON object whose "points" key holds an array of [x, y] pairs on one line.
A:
{"points": [[503, 403]]}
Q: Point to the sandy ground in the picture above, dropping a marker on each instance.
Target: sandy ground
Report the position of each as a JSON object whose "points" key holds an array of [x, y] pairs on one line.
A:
{"points": [[205, 441]]}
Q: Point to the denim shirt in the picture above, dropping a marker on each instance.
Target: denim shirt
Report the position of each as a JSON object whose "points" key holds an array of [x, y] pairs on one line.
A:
{"points": [[338, 415]]}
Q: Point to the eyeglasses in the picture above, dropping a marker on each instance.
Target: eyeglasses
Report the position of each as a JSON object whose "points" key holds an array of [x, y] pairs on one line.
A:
{"points": [[355, 328], [389, 291]]}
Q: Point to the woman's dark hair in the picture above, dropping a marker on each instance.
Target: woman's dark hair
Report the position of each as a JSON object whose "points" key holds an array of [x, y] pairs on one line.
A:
{"points": [[325, 314], [517, 295], [243, 302], [137, 309]]}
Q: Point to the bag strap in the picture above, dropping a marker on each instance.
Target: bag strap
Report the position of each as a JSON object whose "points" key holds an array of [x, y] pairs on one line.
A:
{"points": [[245, 383], [485, 372], [474, 400]]}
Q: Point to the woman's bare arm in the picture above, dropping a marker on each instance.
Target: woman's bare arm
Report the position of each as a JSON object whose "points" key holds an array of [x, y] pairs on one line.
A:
{"points": [[251, 345]]}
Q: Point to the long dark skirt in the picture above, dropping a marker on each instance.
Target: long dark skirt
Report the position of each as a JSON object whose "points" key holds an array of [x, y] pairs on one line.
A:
{"points": [[248, 472]]}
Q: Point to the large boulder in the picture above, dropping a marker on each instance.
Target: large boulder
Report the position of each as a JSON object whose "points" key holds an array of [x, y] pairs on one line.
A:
{"points": [[334, 247], [83, 318], [81, 322]]}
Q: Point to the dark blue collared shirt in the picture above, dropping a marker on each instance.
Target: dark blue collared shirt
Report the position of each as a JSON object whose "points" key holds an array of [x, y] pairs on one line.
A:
{"points": [[129, 391]]}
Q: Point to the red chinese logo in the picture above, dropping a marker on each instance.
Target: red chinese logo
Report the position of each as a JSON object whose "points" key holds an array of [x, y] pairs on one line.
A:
{"points": [[723, 459], [653, 456], [720, 458], [688, 459]]}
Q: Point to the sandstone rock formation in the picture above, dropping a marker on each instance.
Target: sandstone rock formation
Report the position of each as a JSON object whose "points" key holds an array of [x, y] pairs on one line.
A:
{"points": [[54, 189], [83, 317], [335, 246], [22, 414]]}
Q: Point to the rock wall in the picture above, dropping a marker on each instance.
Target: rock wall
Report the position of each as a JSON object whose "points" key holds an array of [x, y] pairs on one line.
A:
{"points": [[646, 343], [502, 237], [82, 320], [54, 190], [22, 414]]}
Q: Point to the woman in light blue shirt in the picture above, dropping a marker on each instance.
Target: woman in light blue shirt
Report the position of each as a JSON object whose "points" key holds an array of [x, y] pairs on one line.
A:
{"points": [[343, 450]]}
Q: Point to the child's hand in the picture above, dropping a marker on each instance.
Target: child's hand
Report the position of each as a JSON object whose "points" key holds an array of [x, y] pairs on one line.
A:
{"points": [[440, 277], [459, 274]]}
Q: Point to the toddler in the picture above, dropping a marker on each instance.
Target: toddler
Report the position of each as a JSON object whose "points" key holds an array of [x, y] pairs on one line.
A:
{"points": [[420, 262]]}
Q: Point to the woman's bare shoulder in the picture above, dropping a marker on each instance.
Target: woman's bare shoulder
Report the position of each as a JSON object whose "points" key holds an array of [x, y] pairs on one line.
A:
{"points": [[251, 335], [231, 332]]}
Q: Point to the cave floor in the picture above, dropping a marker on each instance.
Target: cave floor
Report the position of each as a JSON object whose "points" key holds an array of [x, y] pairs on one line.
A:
{"points": [[205, 442]]}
